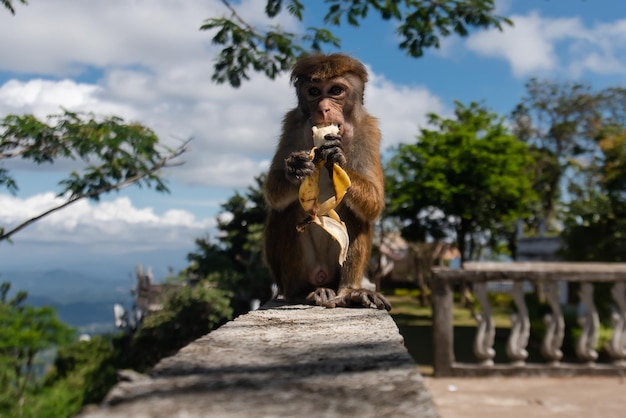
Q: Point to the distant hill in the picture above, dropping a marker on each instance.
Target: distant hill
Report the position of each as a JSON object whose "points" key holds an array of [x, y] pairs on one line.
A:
{"points": [[82, 300], [67, 286]]}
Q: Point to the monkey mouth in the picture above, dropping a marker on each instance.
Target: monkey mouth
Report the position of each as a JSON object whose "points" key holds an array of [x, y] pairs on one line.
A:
{"points": [[327, 124]]}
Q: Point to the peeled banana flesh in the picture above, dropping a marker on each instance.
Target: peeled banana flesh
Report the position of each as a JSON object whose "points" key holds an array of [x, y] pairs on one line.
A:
{"points": [[323, 213]]}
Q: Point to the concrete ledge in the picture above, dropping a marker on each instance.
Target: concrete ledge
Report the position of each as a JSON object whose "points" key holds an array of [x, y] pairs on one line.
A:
{"points": [[283, 360]]}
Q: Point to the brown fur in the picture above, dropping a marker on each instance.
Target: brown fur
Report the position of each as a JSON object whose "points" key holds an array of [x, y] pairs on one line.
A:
{"points": [[324, 67], [293, 257]]}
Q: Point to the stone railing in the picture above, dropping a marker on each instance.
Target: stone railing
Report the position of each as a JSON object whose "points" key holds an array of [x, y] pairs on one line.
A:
{"points": [[282, 361], [547, 275]]}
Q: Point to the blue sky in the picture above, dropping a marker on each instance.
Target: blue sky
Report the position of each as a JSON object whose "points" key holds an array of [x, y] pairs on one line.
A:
{"points": [[147, 61]]}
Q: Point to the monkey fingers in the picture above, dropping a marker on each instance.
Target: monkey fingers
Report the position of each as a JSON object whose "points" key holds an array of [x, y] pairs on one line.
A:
{"points": [[299, 166], [359, 298], [321, 296], [332, 151]]}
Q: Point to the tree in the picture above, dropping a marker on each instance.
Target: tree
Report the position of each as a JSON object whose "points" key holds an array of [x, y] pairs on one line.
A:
{"points": [[85, 371], [25, 332], [595, 219], [469, 179], [115, 154], [271, 50], [235, 262], [558, 121], [188, 313]]}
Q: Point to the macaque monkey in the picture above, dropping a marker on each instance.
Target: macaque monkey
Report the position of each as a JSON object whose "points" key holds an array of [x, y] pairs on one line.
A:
{"points": [[305, 264]]}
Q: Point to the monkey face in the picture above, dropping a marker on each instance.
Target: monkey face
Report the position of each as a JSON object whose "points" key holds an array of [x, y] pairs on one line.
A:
{"points": [[327, 101]]}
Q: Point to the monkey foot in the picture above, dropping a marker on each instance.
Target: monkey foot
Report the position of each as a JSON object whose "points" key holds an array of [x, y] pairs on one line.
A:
{"points": [[354, 298], [349, 298], [321, 296]]}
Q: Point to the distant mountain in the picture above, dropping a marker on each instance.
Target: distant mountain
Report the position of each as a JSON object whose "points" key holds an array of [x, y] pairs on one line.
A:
{"points": [[82, 301], [66, 286]]}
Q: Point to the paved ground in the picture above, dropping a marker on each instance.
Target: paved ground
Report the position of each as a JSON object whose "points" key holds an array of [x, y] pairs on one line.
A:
{"points": [[545, 397]]}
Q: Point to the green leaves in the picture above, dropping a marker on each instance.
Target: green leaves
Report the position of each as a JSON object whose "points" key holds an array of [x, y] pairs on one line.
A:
{"points": [[25, 331], [294, 7], [467, 176], [115, 154], [8, 4], [235, 262], [271, 50]]}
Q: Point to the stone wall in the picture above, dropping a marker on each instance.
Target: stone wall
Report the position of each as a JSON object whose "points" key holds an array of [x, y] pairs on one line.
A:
{"points": [[282, 361]]}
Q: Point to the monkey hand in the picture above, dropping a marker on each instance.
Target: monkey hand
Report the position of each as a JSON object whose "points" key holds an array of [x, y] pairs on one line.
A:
{"points": [[331, 151], [359, 298], [299, 166]]}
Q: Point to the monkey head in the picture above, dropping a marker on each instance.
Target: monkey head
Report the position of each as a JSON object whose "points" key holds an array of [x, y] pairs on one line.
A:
{"points": [[330, 90]]}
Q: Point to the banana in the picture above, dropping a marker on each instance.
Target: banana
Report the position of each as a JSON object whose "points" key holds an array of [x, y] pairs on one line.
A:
{"points": [[323, 214], [319, 133]]}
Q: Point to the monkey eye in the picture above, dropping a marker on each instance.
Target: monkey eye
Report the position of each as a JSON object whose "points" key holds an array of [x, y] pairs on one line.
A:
{"points": [[335, 90], [314, 91]]}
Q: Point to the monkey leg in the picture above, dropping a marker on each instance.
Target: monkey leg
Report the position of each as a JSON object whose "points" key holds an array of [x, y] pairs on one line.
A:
{"points": [[300, 262]]}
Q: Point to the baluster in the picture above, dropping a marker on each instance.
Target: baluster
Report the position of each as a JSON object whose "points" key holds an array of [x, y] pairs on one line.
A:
{"points": [[555, 327], [520, 328], [617, 345], [486, 331], [589, 321]]}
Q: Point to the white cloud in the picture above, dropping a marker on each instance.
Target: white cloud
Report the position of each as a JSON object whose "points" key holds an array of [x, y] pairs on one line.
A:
{"points": [[601, 51], [65, 37], [234, 131], [147, 61], [154, 66], [528, 46], [112, 226], [536, 45], [46, 97], [401, 110]]}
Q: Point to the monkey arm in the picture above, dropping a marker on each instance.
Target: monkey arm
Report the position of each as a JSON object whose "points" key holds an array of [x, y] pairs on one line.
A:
{"points": [[279, 192], [365, 197]]}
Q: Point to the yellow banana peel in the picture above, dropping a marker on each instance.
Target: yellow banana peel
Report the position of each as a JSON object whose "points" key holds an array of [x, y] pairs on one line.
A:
{"points": [[323, 214]]}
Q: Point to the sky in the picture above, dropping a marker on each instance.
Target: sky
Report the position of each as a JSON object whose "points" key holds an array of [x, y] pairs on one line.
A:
{"points": [[147, 61]]}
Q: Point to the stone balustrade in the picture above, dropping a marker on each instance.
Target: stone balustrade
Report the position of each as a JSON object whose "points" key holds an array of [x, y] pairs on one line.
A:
{"points": [[546, 275]]}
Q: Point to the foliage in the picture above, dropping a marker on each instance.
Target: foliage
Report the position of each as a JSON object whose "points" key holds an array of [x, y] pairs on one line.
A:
{"points": [[271, 50], [595, 220], [578, 137], [468, 179], [115, 154], [235, 262], [594, 230], [85, 371], [25, 333], [8, 4], [188, 313], [557, 120]]}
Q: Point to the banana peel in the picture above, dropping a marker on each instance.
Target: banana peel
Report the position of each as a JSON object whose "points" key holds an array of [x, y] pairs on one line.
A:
{"points": [[323, 213]]}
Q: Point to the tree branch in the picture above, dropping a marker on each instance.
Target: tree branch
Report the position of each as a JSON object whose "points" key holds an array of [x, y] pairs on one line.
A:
{"points": [[117, 186], [236, 16]]}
